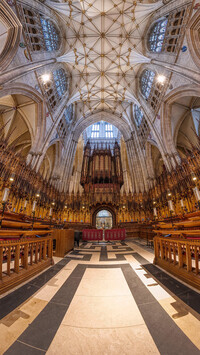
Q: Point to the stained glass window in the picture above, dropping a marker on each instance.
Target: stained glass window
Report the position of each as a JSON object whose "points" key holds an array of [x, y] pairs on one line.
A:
{"points": [[138, 115], [146, 82], [61, 81], [51, 35], [109, 130], [157, 35], [68, 113], [95, 131]]}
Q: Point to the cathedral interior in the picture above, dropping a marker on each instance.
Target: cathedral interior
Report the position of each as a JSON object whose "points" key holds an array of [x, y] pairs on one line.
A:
{"points": [[100, 177]]}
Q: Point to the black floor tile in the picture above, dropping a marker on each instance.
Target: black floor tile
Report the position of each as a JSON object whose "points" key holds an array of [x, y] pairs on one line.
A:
{"points": [[41, 331], [167, 336], [20, 295], [22, 349], [186, 294]]}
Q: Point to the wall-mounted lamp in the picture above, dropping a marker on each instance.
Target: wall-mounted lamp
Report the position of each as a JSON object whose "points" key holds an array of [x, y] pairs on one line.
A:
{"points": [[161, 79], [45, 78]]}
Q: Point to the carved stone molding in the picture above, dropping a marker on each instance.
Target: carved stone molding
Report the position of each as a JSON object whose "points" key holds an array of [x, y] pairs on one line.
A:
{"points": [[14, 30]]}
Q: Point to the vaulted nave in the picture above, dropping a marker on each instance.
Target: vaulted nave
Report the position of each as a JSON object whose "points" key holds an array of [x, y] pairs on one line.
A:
{"points": [[100, 177]]}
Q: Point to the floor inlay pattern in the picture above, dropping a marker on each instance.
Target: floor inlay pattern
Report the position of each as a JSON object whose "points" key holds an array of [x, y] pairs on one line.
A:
{"points": [[102, 299]]}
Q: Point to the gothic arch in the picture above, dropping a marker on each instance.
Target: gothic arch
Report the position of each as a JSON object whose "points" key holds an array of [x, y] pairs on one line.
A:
{"points": [[193, 38], [166, 130], [40, 124], [114, 119], [100, 208], [14, 30]]}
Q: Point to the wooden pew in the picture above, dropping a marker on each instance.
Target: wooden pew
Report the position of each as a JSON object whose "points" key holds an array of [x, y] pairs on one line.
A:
{"points": [[181, 257], [20, 233], [22, 259]]}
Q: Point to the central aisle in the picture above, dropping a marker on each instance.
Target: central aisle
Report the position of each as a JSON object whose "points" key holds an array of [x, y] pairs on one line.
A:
{"points": [[103, 318], [102, 300]]}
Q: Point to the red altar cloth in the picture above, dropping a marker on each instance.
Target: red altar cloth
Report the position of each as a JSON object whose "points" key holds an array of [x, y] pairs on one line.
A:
{"points": [[115, 234], [92, 234]]}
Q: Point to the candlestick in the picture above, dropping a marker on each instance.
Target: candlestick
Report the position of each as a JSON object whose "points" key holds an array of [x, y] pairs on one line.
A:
{"points": [[34, 205], [170, 204], [182, 203], [5, 194], [196, 193]]}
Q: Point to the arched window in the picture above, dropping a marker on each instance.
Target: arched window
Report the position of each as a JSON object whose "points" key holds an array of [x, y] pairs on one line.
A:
{"points": [[175, 29], [95, 130], [150, 88], [146, 82], [51, 35], [40, 32], [56, 87], [68, 113], [165, 35], [61, 81], [157, 35], [143, 132], [109, 130], [138, 115]]}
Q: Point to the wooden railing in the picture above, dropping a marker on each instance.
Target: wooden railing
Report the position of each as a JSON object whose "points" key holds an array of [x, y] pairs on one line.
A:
{"points": [[181, 257], [22, 259]]}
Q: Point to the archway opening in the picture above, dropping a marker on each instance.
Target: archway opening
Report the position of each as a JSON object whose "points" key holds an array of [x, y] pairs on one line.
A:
{"points": [[104, 219]]}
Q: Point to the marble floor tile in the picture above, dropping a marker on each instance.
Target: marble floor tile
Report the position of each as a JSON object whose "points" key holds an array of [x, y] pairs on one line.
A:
{"points": [[14, 324], [115, 341], [102, 288], [103, 312], [116, 305]]}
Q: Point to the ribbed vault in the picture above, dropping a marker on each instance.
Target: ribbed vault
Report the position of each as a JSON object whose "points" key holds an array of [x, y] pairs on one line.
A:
{"points": [[104, 52]]}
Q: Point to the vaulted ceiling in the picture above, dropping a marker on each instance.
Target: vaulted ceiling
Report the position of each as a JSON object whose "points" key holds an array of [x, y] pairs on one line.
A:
{"points": [[104, 51]]}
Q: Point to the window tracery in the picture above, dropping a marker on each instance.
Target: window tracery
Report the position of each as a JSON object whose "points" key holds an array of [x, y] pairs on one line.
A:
{"points": [[41, 33], [138, 115], [68, 113], [62, 128], [61, 81], [157, 36], [109, 130], [165, 35], [144, 132], [56, 87], [174, 30], [150, 88], [51, 35], [146, 82], [95, 130]]}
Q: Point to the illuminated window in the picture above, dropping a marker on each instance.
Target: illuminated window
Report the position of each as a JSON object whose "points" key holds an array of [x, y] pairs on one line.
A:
{"points": [[146, 82], [138, 115], [157, 35], [165, 35], [51, 35], [41, 33], [95, 131], [55, 89], [109, 130], [61, 81], [68, 113]]}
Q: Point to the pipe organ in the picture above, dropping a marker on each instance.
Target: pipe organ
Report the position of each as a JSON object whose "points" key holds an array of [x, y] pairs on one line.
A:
{"points": [[102, 173]]}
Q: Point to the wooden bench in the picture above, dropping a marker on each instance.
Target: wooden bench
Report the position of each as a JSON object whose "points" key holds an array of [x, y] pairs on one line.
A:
{"points": [[179, 256]]}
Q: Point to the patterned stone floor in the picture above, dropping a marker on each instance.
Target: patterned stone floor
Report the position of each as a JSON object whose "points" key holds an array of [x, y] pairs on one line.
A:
{"points": [[102, 299]]}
